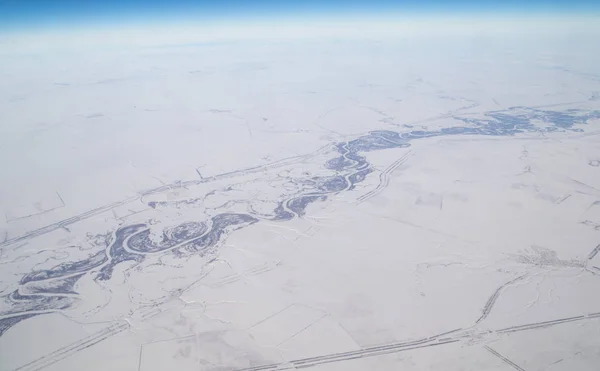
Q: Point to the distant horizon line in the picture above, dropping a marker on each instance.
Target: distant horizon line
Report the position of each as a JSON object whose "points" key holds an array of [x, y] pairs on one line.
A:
{"points": [[124, 21], [53, 14], [390, 27]]}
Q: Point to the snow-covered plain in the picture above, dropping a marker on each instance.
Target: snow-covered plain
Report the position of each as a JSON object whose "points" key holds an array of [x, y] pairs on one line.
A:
{"points": [[416, 201]]}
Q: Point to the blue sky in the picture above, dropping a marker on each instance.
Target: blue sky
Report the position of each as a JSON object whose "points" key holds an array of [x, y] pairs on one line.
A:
{"points": [[48, 13]]}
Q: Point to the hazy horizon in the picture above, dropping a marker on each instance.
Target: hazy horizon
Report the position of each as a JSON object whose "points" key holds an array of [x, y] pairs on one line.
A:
{"points": [[45, 15]]}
